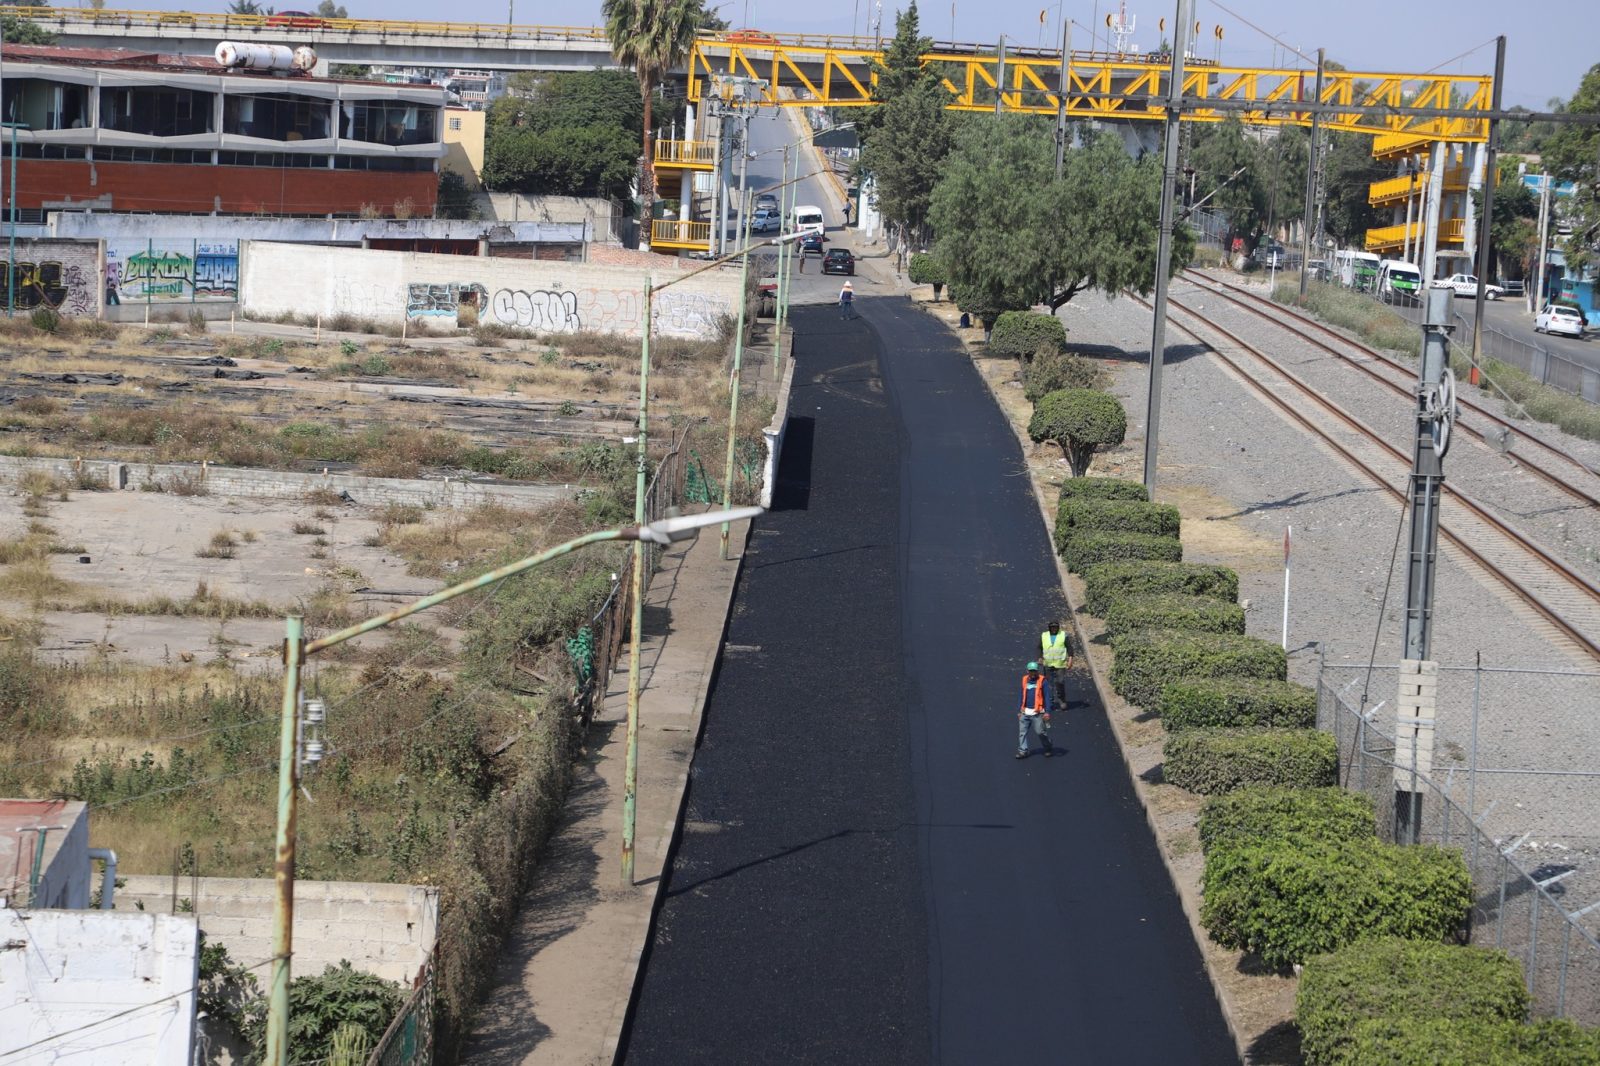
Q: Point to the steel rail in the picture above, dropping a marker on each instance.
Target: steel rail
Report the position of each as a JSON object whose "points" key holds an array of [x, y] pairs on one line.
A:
{"points": [[1550, 614], [1253, 303]]}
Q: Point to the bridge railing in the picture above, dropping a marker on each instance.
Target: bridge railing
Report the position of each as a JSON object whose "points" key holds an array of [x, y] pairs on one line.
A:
{"points": [[671, 231], [64, 17], [686, 153]]}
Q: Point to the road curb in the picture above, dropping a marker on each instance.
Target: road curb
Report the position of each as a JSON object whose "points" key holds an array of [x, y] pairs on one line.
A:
{"points": [[1102, 686]]}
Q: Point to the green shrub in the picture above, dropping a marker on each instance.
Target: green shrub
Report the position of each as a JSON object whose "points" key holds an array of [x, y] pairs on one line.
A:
{"points": [[1051, 370], [1148, 660], [1211, 761], [1432, 1041], [977, 303], [1257, 813], [1233, 701], [1172, 611], [1388, 978], [1103, 585], [1079, 422], [1075, 516], [925, 269], [1023, 333], [1101, 488], [1091, 548], [1290, 900]]}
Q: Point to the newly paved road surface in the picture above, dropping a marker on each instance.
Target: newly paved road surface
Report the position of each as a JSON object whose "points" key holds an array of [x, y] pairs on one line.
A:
{"points": [[867, 875]]}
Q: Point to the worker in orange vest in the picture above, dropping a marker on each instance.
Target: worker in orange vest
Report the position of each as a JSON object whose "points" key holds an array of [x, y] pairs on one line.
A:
{"points": [[1034, 714]]}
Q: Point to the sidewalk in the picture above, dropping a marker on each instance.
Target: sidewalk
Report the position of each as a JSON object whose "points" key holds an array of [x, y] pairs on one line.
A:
{"points": [[568, 966]]}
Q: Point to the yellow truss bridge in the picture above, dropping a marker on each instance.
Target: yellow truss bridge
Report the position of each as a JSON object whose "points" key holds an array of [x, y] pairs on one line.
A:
{"points": [[1099, 86]]}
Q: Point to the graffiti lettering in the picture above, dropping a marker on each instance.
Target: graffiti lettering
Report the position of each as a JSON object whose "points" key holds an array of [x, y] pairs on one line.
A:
{"points": [[187, 271], [548, 312], [428, 300], [37, 285], [688, 314]]}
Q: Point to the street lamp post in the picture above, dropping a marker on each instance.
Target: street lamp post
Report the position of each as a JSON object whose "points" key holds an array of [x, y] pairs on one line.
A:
{"points": [[738, 356], [11, 255], [296, 650]]}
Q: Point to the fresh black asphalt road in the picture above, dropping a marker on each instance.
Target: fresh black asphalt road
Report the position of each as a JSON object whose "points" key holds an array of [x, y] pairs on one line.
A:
{"points": [[866, 875]]}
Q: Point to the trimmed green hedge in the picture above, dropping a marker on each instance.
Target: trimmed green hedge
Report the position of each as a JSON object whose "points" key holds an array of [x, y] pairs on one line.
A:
{"points": [[1291, 900], [1105, 584], [1092, 548], [1258, 813], [1101, 488], [1023, 333], [1114, 516], [1213, 761], [1148, 660], [1233, 701], [1171, 611], [1051, 371], [925, 269], [1418, 1041], [1388, 978]]}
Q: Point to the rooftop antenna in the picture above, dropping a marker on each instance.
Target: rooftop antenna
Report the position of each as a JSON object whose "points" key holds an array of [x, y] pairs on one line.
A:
{"points": [[1121, 25]]}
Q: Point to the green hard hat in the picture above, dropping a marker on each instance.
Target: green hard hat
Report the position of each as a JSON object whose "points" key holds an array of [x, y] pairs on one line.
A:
{"points": [[1033, 666]]}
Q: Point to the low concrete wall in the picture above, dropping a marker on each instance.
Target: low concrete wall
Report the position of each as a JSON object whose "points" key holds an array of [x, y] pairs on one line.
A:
{"points": [[774, 435], [545, 297], [386, 930], [286, 484], [63, 276], [111, 989]]}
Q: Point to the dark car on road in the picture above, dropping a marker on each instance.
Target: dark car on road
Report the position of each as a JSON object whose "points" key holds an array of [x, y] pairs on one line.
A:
{"points": [[839, 261], [812, 242]]}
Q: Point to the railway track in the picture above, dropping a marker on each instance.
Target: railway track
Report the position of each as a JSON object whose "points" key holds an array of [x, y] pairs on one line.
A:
{"points": [[1562, 596], [1539, 457]]}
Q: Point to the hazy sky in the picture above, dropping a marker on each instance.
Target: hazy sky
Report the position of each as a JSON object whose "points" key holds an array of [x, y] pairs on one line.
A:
{"points": [[1546, 56]]}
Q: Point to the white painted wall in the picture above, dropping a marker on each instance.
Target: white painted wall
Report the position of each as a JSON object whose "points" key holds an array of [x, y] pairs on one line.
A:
{"points": [[76, 969], [545, 297]]}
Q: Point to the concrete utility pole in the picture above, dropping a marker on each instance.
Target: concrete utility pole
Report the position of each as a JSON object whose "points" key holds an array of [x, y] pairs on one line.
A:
{"points": [[1436, 409], [1537, 295], [1061, 107], [1490, 175], [1169, 181], [1311, 183]]}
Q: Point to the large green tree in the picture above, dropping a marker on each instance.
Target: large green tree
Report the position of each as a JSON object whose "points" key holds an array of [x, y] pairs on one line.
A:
{"points": [[906, 138], [575, 98], [1013, 235], [21, 31], [1347, 170], [566, 161], [1513, 231], [1573, 154], [1228, 168], [652, 37]]}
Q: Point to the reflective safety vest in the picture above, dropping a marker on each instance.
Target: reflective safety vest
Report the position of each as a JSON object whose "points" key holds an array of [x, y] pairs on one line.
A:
{"points": [[1035, 696], [1054, 648]]}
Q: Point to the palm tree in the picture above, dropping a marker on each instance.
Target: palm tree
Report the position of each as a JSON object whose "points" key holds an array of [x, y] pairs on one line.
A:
{"points": [[652, 37]]}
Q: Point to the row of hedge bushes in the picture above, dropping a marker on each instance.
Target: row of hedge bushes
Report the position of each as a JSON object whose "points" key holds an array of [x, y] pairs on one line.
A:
{"points": [[1397, 1002], [1294, 870]]}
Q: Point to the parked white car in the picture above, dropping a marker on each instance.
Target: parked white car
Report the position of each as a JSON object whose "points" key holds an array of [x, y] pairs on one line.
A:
{"points": [[1559, 318], [1467, 285]]}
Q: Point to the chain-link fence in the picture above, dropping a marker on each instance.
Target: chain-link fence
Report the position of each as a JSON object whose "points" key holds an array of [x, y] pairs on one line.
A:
{"points": [[1524, 901], [409, 1039], [1535, 360]]}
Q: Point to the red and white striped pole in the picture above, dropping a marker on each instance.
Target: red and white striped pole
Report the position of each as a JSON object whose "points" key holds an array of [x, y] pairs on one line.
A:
{"points": [[1286, 588]]}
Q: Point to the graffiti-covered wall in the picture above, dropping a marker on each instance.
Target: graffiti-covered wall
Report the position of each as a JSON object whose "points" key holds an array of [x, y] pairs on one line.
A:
{"points": [[171, 270], [445, 290], [60, 275]]}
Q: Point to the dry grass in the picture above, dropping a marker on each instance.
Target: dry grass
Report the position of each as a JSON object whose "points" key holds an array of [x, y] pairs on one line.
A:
{"points": [[455, 542], [221, 546]]}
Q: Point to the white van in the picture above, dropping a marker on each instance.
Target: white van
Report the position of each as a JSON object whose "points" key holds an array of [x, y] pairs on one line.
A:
{"points": [[1399, 281], [808, 219]]}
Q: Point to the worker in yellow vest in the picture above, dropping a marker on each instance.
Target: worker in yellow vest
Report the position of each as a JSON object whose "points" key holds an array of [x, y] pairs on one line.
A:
{"points": [[1055, 651]]}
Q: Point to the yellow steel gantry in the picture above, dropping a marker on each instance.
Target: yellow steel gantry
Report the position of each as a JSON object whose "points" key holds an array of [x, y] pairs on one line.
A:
{"points": [[1099, 86]]}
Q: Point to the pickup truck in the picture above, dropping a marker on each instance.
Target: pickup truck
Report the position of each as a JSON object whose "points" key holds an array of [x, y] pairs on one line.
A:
{"points": [[1467, 285]]}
